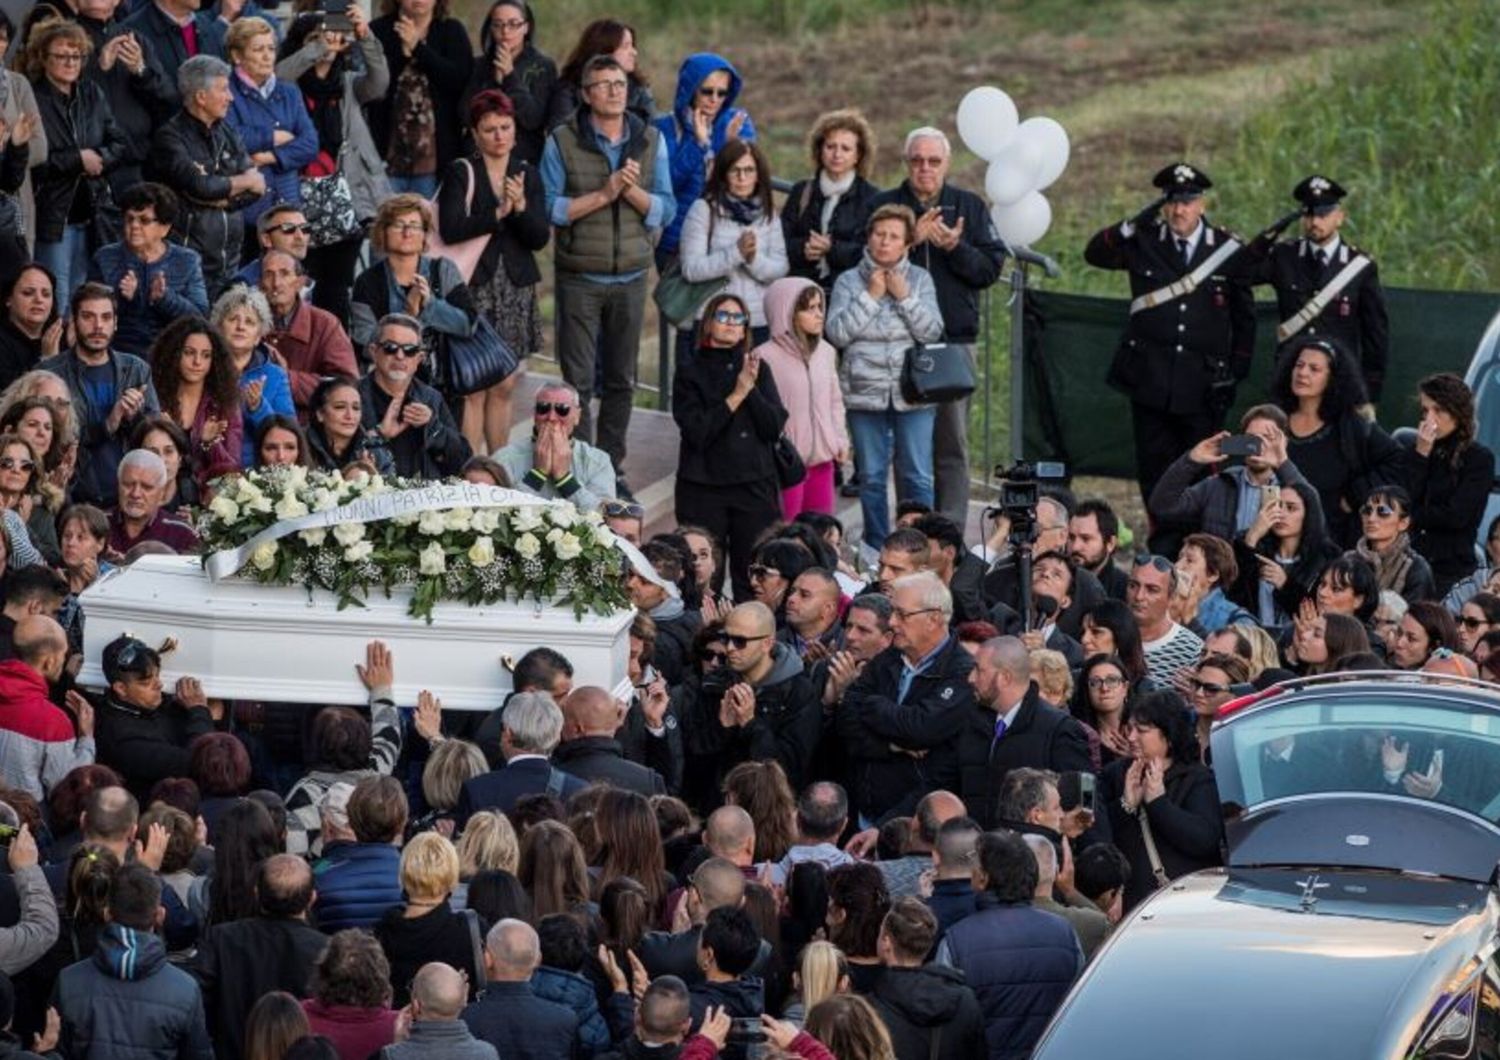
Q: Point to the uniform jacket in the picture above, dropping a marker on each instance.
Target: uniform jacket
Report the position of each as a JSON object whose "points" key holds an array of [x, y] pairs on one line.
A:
{"points": [[140, 319], [690, 159], [257, 118], [356, 884], [872, 725], [82, 119], [721, 447], [807, 383], [1041, 737], [874, 336], [929, 1012], [38, 746], [802, 215], [127, 1001], [708, 249], [99, 452], [1020, 963], [961, 273], [197, 161], [366, 81], [1170, 356], [787, 723], [521, 1025], [447, 58], [1356, 318]]}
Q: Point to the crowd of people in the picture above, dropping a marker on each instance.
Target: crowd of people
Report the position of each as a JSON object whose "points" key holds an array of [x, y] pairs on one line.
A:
{"points": [[872, 799]]}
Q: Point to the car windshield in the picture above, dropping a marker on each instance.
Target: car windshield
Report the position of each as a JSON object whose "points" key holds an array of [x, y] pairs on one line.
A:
{"points": [[1487, 403], [1418, 743]]}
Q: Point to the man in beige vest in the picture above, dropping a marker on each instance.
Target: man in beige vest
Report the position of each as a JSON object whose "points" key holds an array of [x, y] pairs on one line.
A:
{"points": [[609, 189]]}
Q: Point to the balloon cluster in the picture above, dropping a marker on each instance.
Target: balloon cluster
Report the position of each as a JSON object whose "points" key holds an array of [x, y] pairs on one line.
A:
{"points": [[1024, 157]]}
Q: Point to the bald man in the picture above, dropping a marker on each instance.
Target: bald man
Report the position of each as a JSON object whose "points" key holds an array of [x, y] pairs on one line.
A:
{"points": [[903, 876], [438, 993], [589, 750], [770, 709], [1010, 726], [38, 742], [718, 883], [509, 1015], [729, 833]]}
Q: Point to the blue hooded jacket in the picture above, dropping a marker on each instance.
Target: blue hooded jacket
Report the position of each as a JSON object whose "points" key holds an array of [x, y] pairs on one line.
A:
{"points": [[689, 159]]}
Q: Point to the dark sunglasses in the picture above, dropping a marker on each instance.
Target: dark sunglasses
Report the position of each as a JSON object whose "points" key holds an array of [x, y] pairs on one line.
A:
{"points": [[759, 571], [10, 463], [1470, 622], [1211, 687], [735, 640], [286, 228], [400, 349], [623, 510], [1385, 511], [1160, 563], [713, 658], [136, 658], [714, 93], [554, 408]]}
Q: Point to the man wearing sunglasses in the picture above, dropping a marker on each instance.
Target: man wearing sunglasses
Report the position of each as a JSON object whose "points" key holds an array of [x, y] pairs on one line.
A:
{"points": [[283, 227], [310, 340], [411, 416], [552, 462]]}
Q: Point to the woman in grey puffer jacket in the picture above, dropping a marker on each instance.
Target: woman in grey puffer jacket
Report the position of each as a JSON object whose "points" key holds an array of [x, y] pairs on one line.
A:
{"points": [[878, 310]]}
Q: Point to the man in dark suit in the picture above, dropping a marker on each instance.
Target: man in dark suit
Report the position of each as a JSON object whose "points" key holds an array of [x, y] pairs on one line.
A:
{"points": [[1192, 320], [529, 732], [589, 749], [1008, 726], [1325, 286]]}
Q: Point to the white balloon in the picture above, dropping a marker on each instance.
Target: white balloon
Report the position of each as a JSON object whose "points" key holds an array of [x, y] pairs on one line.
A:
{"points": [[1023, 223], [1050, 141], [1012, 173], [987, 119]]}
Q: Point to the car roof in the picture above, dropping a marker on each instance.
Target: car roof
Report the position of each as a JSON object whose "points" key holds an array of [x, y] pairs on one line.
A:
{"points": [[1198, 971]]}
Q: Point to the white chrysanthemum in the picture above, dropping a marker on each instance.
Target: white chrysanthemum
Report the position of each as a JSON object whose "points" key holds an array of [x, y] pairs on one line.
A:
{"points": [[405, 518], [604, 535], [324, 500], [290, 507], [431, 559], [526, 518], [486, 520], [562, 515]]}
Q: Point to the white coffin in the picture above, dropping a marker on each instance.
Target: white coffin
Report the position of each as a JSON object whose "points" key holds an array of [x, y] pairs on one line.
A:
{"points": [[276, 644]]}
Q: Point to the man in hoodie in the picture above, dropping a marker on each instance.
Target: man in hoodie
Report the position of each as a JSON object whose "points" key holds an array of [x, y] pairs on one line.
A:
{"points": [[703, 119], [508, 1014], [609, 189], [38, 744], [727, 950], [127, 999], [957, 244], [926, 1007], [676, 626], [769, 709]]}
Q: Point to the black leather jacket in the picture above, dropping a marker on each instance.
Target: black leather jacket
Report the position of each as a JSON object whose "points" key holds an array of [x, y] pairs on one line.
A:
{"points": [[79, 120], [197, 162]]}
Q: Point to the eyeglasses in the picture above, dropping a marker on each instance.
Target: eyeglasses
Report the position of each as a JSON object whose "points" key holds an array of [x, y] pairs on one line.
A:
{"points": [[508, 25], [610, 85], [1383, 511], [287, 228], [1160, 563], [1211, 687], [553, 408], [623, 510], [906, 615], [760, 572], [132, 219], [1470, 622], [730, 316], [1099, 683], [714, 93], [400, 349], [408, 226], [925, 161], [743, 171], [65, 57], [10, 463], [737, 641]]}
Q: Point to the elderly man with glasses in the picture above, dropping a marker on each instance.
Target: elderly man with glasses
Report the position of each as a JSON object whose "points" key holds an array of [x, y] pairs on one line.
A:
{"points": [[552, 462], [411, 416], [957, 244]]}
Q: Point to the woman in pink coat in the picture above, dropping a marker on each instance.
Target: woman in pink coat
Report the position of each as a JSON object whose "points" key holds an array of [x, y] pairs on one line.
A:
{"points": [[805, 368]]}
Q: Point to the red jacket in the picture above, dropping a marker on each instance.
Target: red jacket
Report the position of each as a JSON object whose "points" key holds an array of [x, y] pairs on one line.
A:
{"points": [[38, 746], [804, 1045], [314, 345]]}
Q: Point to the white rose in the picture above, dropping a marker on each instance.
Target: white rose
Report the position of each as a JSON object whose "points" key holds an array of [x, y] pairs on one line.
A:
{"points": [[431, 559], [525, 518], [569, 547], [604, 535], [459, 518], [358, 551], [290, 507], [261, 503], [562, 514], [432, 523], [324, 500], [314, 537], [486, 520], [405, 518], [224, 509], [528, 547], [247, 491], [264, 557], [348, 533], [482, 553]]}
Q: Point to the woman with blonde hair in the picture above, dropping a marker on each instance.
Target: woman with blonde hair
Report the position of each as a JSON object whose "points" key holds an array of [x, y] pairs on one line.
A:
{"points": [[44, 384], [824, 218], [822, 973], [1050, 670], [451, 764], [426, 928], [488, 842]]}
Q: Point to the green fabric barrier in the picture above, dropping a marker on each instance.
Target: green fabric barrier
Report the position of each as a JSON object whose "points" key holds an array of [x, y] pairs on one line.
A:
{"points": [[1074, 416]]}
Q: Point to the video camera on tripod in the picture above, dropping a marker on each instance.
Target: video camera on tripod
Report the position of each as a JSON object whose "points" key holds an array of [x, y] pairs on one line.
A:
{"points": [[1020, 489]]}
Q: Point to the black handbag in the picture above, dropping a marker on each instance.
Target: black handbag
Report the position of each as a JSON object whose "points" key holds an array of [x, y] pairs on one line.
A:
{"points": [[790, 470], [935, 374], [476, 362]]}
